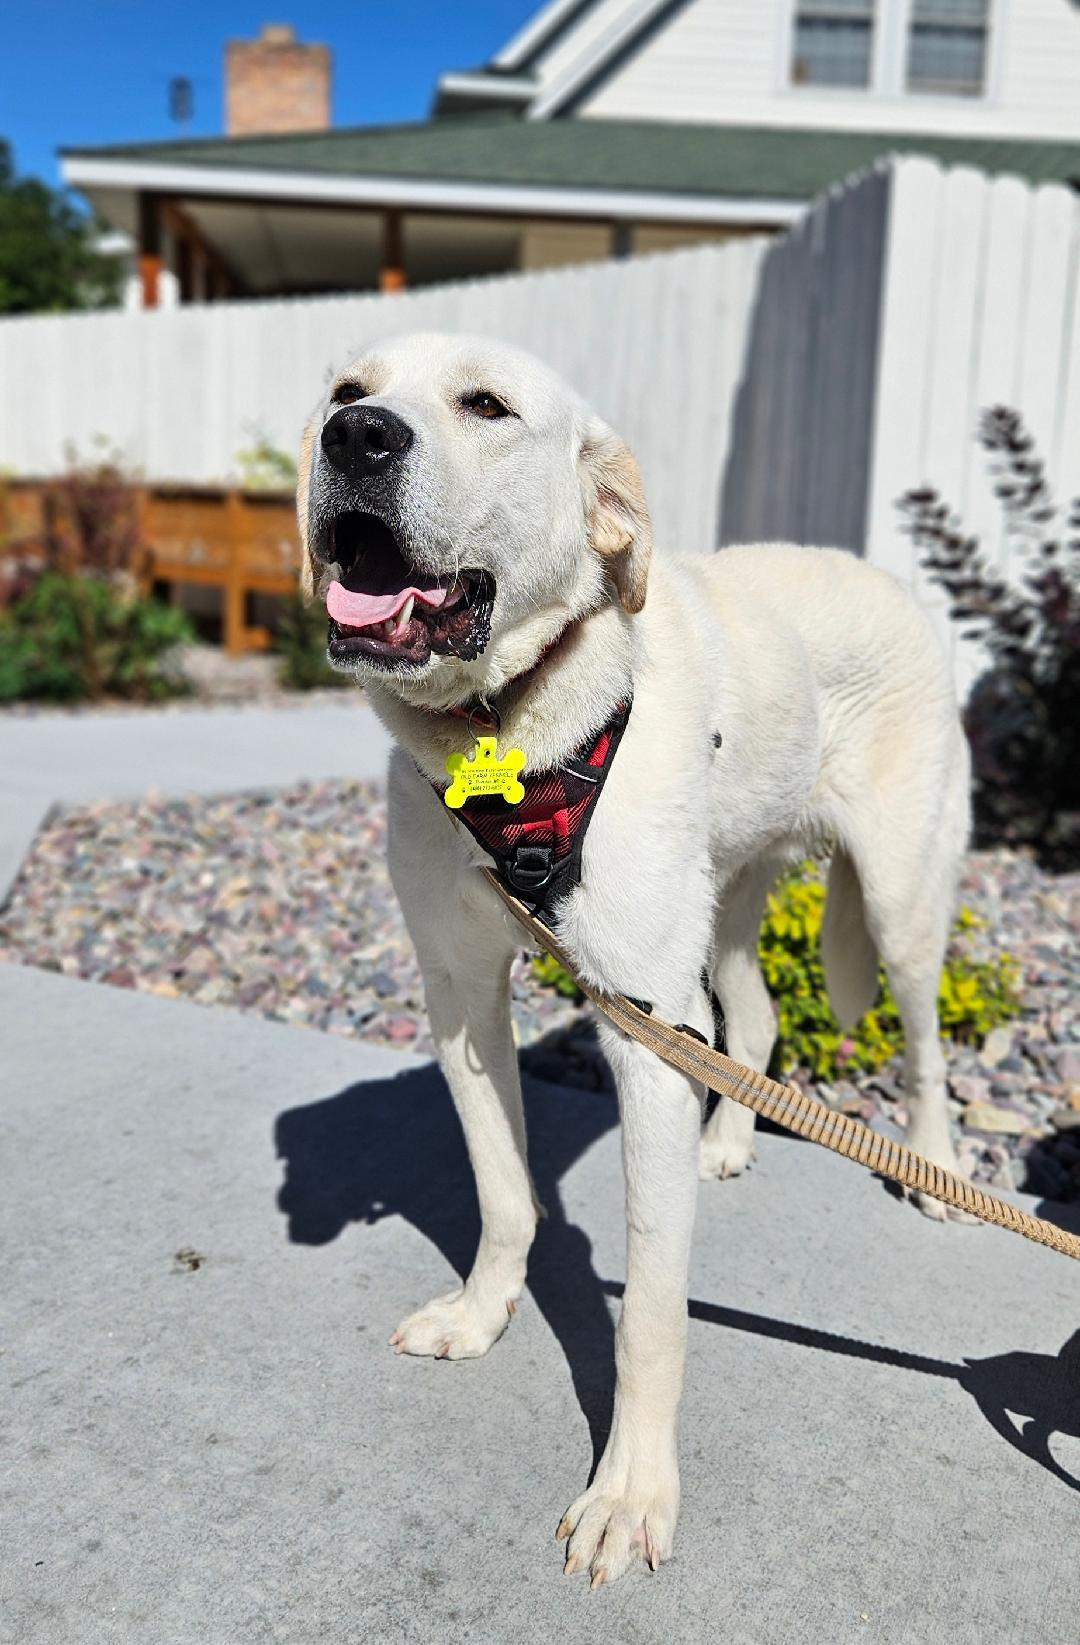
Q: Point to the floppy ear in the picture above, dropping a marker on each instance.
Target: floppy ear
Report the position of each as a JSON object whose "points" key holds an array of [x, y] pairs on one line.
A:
{"points": [[616, 513], [303, 488]]}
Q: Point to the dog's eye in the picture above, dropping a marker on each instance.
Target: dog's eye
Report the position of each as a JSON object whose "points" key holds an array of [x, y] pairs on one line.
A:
{"points": [[485, 405], [346, 394]]}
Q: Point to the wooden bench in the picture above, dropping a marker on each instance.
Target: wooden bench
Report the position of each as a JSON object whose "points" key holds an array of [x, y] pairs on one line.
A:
{"points": [[243, 542]]}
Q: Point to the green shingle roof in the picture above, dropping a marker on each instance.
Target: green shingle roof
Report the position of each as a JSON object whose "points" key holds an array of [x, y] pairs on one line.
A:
{"points": [[603, 154]]}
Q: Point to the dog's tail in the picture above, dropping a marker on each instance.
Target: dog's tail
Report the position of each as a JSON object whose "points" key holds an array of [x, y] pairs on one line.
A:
{"points": [[847, 948]]}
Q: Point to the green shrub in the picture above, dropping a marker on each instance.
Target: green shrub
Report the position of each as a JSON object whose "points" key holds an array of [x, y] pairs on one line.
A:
{"points": [[548, 971], [265, 467], [301, 643], [975, 995], [77, 637]]}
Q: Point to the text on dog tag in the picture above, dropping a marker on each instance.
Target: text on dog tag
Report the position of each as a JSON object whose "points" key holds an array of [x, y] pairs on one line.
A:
{"points": [[482, 772]]}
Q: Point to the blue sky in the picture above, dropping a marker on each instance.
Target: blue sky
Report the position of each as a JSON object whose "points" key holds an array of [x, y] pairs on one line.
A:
{"points": [[97, 71]]}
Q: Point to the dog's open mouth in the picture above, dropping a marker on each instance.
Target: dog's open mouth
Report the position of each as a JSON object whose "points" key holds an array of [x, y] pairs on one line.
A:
{"points": [[388, 612]]}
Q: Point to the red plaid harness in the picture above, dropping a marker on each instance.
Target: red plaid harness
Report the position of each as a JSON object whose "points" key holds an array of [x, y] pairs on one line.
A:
{"points": [[536, 846]]}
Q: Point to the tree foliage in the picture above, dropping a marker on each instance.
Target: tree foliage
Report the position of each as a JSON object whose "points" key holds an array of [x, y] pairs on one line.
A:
{"points": [[48, 263]]}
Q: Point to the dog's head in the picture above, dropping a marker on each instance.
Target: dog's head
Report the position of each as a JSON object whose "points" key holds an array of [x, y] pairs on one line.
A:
{"points": [[458, 507]]}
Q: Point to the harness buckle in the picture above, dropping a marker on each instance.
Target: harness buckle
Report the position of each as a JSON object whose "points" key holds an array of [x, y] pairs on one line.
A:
{"points": [[531, 867]]}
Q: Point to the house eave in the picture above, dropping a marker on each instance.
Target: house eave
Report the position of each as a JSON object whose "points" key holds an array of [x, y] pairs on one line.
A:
{"points": [[420, 194], [592, 63], [496, 88], [536, 33]]}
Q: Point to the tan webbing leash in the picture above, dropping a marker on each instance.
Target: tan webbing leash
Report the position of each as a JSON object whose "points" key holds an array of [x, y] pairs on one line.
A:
{"points": [[786, 1105]]}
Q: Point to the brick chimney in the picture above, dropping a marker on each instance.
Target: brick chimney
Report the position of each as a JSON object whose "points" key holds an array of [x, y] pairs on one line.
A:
{"points": [[276, 84]]}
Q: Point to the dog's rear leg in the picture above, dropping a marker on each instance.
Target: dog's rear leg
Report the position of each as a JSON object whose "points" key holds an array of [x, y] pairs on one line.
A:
{"points": [[909, 895], [913, 946], [470, 1022], [727, 1142]]}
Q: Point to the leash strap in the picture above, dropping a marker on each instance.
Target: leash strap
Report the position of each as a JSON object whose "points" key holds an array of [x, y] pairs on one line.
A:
{"points": [[786, 1105]]}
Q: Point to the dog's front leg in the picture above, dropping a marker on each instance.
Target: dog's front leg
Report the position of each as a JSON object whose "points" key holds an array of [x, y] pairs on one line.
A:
{"points": [[465, 945], [470, 1023], [631, 1507]]}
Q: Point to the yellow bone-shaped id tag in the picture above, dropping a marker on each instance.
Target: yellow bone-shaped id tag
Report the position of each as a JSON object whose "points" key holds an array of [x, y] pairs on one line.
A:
{"points": [[482, 772]]}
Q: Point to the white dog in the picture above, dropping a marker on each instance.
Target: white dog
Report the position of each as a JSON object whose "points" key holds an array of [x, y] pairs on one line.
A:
{"points": [[484, 545]]}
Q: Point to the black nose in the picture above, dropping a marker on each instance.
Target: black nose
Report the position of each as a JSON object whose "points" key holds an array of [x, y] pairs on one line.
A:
{"points": [[363, 439]]}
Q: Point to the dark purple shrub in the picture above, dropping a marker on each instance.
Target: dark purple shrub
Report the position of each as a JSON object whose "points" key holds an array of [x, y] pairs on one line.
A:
{"points": [[1023, 714]]}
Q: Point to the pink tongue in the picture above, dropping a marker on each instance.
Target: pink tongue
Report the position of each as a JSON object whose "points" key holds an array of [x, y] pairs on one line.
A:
{"points": [[355, 610]]}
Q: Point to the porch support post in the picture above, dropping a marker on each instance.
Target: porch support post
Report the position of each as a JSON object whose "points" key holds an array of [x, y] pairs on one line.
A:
{"points": [[392, 269], [185, 268], [209, 276], [151, 262]]}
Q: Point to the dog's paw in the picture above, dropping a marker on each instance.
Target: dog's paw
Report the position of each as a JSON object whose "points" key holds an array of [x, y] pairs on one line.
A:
{"points": [[936, 1147], [936, 1211], [615, 1524], [723, 1156], [727, 1142], [456, 1326]]}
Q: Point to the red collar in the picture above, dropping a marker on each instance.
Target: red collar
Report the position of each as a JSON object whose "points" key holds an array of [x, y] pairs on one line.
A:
{"points": [[485, 716]]}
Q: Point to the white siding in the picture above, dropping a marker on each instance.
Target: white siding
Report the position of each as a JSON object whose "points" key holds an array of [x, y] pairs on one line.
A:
{"points": [[728, 61]]}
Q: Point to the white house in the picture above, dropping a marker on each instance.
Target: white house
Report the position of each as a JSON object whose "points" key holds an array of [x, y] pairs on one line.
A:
{"points": [[603, 127], [932, 68]]}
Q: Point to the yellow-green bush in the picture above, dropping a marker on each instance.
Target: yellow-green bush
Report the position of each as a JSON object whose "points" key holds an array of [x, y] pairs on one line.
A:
{"points": [[975, 996], [553, 975]]}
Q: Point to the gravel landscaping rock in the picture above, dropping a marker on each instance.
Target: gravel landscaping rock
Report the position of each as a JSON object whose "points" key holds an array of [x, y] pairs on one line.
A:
{"points": [[279, 903]]}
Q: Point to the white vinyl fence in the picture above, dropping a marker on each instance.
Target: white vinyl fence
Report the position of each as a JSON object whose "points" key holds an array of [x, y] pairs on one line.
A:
{"points": [[981, 308], [655, 344], [793, 388], [903, 306]]}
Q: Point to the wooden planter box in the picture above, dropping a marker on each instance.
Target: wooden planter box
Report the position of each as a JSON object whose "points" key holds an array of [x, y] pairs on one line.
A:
{"points": [[243, 542]]}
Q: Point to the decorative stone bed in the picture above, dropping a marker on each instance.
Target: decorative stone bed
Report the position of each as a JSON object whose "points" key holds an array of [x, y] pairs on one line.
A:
{"points": [[279, 903]]}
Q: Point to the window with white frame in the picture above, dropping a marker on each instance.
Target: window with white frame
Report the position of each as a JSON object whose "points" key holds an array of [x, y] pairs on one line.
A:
{"points": [[947, 46], [834, 41]]}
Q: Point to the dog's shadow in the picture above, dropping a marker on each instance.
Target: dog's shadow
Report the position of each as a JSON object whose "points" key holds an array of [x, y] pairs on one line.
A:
{"points": [[394, 1148]]}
